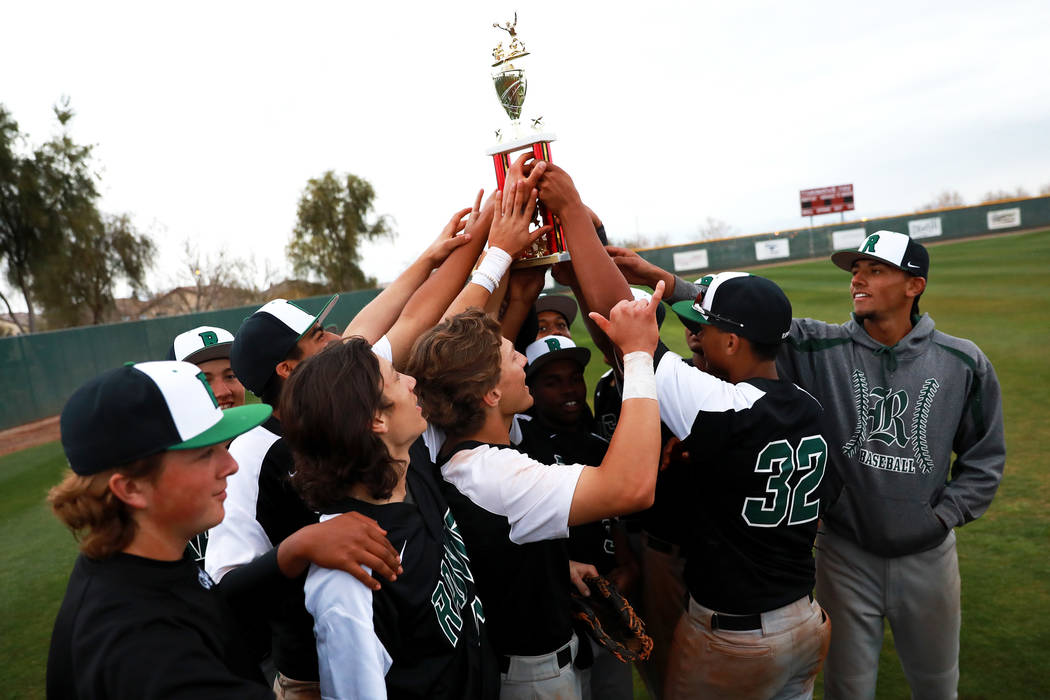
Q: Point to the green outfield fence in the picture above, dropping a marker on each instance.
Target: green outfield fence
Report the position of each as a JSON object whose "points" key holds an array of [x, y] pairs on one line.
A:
{"points": [[819, 241], [39, 371]]}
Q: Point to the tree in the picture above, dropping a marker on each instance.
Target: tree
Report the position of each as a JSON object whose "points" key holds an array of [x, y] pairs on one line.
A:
{"points": [[995, 195], [1045, 189], [98, 253], [714, 228], [333, 220], [57, 248], [947, 198], [219, 281]]}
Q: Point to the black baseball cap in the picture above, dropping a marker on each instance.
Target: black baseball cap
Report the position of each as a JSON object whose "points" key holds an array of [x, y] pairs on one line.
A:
{"points": [[141, 409], [551, 348], [201, 344], [267, 336], [890, 247], [748, 305]]}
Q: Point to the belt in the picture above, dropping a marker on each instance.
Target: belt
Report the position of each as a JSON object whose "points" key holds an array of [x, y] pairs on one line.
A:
{"points": [[564, 659], [739, 623]]}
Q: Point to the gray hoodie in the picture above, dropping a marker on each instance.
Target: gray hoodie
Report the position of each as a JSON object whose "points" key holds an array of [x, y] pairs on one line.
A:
{"points": [[893, 416]]}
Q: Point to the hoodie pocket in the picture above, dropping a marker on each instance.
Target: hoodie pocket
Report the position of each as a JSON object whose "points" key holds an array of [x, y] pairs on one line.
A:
{"points": [[890, 526]]}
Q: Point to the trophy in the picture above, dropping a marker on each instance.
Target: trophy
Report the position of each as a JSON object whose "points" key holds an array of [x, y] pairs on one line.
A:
{"points": [[509, 78]]}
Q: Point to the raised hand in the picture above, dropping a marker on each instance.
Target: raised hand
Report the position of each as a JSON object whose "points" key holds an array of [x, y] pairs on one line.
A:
{"points": [[513, 213], [557, 190], [632, 324]]}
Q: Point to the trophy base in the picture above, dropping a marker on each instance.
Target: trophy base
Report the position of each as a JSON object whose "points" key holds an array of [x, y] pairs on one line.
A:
{"points": [[520, 143], [563, 256]]}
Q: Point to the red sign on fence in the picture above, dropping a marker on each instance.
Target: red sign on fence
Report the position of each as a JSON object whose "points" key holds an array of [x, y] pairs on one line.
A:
{"points": [[826, 200]]}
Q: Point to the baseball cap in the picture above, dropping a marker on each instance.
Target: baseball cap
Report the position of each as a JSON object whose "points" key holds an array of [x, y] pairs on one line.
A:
{"points": [[751, 306], [141, 409], [892, 248], [201, 344], [564, 305], [553, 347], [267, 336]]}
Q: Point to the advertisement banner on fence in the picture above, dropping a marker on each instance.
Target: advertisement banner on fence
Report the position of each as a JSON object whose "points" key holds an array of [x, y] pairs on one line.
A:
{"points": [[1004, 218], [771, 250], [925, 228], [690, 260], [848, 238]]}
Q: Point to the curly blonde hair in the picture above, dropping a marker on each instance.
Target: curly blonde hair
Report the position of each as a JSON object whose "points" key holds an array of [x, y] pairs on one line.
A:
{"points": [[101, 523]]}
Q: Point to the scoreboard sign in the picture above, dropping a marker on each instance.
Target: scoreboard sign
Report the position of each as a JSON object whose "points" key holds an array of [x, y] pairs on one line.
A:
{"points": [[826, 200]]}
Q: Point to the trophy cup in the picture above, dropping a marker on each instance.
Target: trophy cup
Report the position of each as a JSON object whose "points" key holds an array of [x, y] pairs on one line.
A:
{"points": [[509, 78]]}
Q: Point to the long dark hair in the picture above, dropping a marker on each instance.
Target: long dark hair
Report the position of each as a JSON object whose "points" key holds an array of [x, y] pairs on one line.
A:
{"points": [[327, 407]]}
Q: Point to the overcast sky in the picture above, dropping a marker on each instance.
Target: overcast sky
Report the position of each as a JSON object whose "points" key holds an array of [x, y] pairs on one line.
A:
{"points": [[209, 118]]}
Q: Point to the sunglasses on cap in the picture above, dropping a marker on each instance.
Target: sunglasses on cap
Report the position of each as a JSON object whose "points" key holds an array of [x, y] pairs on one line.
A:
{"points": [[698, 307]]}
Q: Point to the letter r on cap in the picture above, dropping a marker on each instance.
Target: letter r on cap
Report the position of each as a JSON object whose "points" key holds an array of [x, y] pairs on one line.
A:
{"points": [[209, 338], [869, 245]]}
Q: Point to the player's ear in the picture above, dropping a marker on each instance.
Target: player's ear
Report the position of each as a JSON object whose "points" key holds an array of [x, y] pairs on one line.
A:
{"points": [[732, 342], [133, 491], [492, 397], [379, 423], [284, 368], [916, 286]]}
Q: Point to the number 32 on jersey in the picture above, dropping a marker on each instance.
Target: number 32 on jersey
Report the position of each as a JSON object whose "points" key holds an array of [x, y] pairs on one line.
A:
{"points": [[798, 503]]}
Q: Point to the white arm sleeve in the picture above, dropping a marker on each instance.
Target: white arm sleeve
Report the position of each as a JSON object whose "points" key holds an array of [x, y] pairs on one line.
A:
{"points": [[684, 391], [383, 349], [352, 662], [239, 538], [534, 497]]}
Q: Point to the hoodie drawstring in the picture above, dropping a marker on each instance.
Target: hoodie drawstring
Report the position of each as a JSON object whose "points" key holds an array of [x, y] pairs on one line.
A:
{"points": [[889, 357]]}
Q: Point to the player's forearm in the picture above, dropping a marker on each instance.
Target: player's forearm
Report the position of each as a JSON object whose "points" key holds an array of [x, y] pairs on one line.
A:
{"points": [[425, 307], [599, 278], [380, 314], [625, 481]]}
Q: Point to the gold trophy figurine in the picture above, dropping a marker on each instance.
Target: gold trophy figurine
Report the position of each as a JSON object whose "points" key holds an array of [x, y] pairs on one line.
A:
{"points": [[509, 79]]}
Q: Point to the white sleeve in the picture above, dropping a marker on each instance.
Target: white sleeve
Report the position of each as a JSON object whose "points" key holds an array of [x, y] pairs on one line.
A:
{"points": [[534, 497], [434, 439], [239, 538], [684, 391], [383, 348], [516, 435], [352, 662]]}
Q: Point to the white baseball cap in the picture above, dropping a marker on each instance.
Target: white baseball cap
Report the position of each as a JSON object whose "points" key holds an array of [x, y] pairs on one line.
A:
{"points": [[201, 344]]}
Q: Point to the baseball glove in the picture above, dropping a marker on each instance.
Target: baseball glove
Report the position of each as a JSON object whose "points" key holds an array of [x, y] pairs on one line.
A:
{"points": [[611, 621]]}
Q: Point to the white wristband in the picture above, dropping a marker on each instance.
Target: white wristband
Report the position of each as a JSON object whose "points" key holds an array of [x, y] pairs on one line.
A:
{"points": [[492, 268], [639, 380]]}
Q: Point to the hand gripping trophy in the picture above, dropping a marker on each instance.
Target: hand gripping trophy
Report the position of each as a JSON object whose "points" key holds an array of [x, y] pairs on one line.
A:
{"points": [[509, 79]]}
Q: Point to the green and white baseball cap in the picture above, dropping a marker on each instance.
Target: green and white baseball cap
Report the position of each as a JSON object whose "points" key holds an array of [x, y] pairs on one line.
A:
{"points": [[267, 336], [201, 344], [141, 409], [551, 348], [748, 305], [890, 247]]}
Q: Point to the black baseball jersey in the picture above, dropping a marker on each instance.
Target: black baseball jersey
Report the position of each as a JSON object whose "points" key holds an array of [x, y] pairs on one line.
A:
{"points": [[667, 518], [131, 627], [590, 543], [262, 509], [514, 515], [757, 458], [421, 636]]}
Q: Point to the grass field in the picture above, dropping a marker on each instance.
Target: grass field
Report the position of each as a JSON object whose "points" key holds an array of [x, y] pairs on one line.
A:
{"points": [[993, 291]]}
